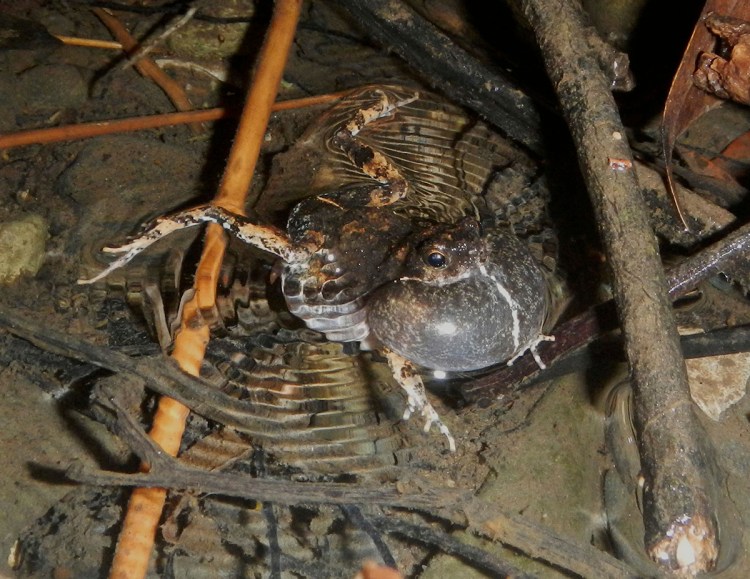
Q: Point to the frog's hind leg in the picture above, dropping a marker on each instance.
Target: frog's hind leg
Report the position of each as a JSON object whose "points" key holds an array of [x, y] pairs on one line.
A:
{"points": [[411, 382], [264, 237], [370, 161]]}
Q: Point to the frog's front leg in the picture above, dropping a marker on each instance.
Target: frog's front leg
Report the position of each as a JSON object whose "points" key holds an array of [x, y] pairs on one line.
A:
{"points": [[410, 381], [369, 160], [533, 348], [264, 237]]}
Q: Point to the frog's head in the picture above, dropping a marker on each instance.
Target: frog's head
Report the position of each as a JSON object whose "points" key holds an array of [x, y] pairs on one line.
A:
{"points": [[482, 302], [446, 254]]}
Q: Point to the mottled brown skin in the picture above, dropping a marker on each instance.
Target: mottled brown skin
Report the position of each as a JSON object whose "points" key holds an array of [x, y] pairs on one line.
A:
{"points": [[358, 248], [448, 253]]}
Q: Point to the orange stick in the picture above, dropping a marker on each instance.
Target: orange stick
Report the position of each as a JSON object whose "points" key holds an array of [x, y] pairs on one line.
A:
{"points": [[144, 510], [88, 42], [110, 127]]}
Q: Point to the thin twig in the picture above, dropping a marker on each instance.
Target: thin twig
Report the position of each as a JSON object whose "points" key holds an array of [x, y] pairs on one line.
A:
{"points": [[146, 66], [679, 513], [146, 47], [540, 543], [273, 540], [354, 514], [718, 257], [446, 543], [88, 42], [111, 127]]}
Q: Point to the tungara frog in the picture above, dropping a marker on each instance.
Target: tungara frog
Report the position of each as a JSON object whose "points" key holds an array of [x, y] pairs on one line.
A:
{"points": [[404, 234]]}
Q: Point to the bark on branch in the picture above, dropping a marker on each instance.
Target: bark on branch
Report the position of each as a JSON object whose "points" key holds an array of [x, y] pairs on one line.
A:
{"points": [[679, 513]]}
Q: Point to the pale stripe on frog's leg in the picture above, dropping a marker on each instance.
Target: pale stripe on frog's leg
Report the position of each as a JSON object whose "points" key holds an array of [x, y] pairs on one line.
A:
{"points": [[160, 228], [410, 381], [264, 237], [384, 107], [371, 161]]}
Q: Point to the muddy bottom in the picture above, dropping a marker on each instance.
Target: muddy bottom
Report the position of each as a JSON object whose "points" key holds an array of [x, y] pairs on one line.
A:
{"points": [[560, 453]]}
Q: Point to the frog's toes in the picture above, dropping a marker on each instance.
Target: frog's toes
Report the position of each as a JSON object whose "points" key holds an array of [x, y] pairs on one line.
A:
{"points": [[535, 352], [533, 348], [116, 264], [432, 417]]}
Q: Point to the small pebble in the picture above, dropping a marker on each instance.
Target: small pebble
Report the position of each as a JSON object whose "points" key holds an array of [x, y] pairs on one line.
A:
{"points": [[22, 245]]}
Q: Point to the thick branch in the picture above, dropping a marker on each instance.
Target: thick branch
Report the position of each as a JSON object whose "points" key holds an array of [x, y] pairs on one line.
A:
{"points": [[680, 518], [174, 476]]}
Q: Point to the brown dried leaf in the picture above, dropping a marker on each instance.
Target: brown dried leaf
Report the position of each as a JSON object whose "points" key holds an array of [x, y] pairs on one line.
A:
{"points": [[685, 101], [727, 78]]}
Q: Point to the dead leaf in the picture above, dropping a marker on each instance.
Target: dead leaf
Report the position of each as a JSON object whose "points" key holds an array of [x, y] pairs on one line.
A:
{"points": [[685, 101], [727, 78]]}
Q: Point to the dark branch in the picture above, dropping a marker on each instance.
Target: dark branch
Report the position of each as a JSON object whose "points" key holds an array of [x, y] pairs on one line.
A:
{"points": [[449, 68], [679, 513]]}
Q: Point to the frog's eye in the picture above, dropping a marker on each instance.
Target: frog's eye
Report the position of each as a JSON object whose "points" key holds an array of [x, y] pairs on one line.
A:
{"points": [[435, 259]]}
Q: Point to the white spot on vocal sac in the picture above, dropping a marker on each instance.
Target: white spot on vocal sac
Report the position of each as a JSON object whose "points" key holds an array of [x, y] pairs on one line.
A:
{"points": [[446, 328]]}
